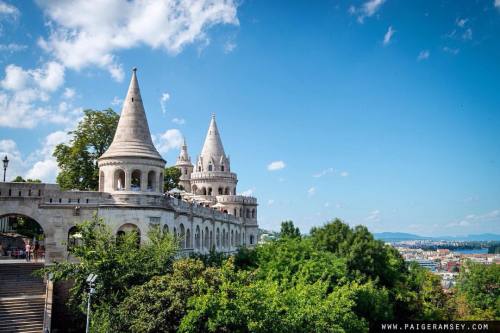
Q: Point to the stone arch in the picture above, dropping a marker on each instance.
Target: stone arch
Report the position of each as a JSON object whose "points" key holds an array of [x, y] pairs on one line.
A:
{"points": [[165, 229], [211, 245], [222, 167], [101, 181], [209, 191], [247, 214], [194, 189], [226, 191], [197, 237], [119, 180], [181, 236], [217, 238], [241, 212], [232, 238], [220, 190], [203, 191], [206, 241], [224, 238], [73, 237], [129, 227], [253, 213], [135, 180], [252, 240], [188, 238], [34, 220], [151, 181], [234, 212]]}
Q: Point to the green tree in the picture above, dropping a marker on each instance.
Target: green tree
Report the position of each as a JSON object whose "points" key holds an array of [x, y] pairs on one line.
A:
{"points": [[477, 292], [78, 159], [289, 230], [119, 265], [171, 178], [20, 179]]}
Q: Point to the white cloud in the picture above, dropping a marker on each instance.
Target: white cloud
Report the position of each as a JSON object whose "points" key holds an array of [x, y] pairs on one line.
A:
{"points": [[461, 22], [276, 165], [117, 101], [368, 9], [12, 47], [165, 97], [467, 35], [475, 220], [179, 121], [374, 216], [344, 174], [6, 9], [171, 139], [25, 94], [69, 93], [323, 173], [388, 35], [423, 55], [39, 164], [451, 50], [105, 27], [311, 191], [229, 46]]}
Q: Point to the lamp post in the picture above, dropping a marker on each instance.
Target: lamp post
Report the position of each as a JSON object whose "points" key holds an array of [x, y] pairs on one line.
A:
{"points": [[91, 282], [5, 165]]}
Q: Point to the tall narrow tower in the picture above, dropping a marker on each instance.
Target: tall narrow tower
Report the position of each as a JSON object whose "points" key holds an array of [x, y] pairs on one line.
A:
{"points": [[132, 164], [212, 175], [185, 166]]}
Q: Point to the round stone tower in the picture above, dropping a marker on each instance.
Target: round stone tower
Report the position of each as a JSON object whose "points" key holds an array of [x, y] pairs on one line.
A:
{"points": [[185, 166], [212, 175], [132, 164]]}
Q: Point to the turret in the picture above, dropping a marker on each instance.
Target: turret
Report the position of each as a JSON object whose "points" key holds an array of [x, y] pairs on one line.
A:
{"points": [[185, 166], [132, 163]]}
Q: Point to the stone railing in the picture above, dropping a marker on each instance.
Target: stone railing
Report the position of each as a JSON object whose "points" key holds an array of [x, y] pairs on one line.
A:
{"points": [[239, 199], [207, 212], [213, 175]]}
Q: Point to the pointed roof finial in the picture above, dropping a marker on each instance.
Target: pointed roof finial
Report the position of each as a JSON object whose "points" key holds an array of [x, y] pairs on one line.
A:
{"points": [[134, 69]]}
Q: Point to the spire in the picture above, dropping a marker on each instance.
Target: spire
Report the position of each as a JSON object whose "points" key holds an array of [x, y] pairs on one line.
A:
{"points": [[183, 155], [132, 136], [212, 148]]}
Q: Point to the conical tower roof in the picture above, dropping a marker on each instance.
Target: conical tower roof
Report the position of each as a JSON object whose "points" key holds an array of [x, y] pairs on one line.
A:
{"points": [[213, 144], [132, 137]]}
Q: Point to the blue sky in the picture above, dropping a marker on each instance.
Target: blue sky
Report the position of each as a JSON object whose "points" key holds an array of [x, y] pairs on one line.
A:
{"points": [[383, 113]]}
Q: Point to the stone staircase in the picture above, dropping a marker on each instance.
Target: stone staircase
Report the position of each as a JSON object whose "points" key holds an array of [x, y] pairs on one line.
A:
{"points": [[22, 298]]}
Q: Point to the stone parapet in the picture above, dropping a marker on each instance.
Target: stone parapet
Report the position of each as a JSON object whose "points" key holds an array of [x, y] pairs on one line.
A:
{"points": [[213, 175], [237, 199]]}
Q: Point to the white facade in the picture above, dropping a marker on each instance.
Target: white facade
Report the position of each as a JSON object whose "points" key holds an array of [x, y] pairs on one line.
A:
{"points": [[131, 197]]}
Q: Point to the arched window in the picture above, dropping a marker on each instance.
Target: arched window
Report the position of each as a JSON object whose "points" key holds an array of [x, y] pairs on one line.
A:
{"points": [[253, 213], [222, 168], [135, 181], [188, 239], [185, 171], [234, 212], [217, 237], [181, 236], [224, 238], [210, 167], [74, 237], [101, 181], [232, 238], [241, 212], [129, 228], [220, 191], [165, 229], [209, 191], [203, 191], [119, 180], [160, 182], [206, 242], [197, 237], [251, 239], [211, 245], [151, 180], [226, 191], [248, 213]]}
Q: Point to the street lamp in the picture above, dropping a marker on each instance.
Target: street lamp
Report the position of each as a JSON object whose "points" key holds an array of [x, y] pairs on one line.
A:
{"points": [[91, 282], [5, 165]]}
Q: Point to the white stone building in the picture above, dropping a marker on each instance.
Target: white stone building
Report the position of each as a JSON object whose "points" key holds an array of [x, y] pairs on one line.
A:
{"points": [[131, 195]]}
